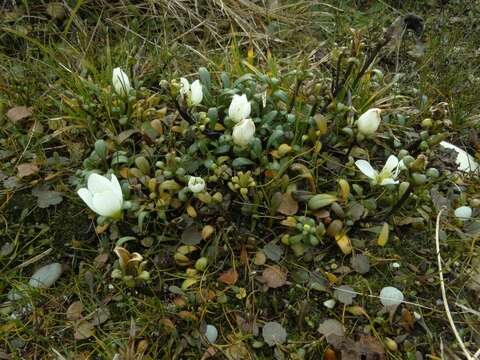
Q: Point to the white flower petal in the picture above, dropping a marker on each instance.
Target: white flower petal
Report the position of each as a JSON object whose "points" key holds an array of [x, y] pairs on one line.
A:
{"points": [[465, 161], [369, 122], [116, 188], [107, 204], [196, 184], [391, 164], [120, 82], [246, 107], [240, 108], [184, 86], [196, 92], [87, 197], [388, 181], [243, 132], [367, 169], [98, 183]]}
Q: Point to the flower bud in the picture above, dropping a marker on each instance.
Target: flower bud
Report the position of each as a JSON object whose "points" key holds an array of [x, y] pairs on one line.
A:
{"points": [[120, 82], [243, 132], [196, 184], [240, 108], [369, 122]]}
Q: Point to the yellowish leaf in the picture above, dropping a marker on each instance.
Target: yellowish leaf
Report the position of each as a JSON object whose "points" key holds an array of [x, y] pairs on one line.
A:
{"points": [[383, 236], [344, 243], [74, 311]]}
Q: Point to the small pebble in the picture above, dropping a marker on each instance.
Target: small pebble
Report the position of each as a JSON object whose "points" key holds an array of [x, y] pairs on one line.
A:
{"points": [[211, 333], [45, 276]]}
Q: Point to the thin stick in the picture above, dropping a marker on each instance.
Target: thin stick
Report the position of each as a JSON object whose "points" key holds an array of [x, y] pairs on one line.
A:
{"points": [[444, 293]]}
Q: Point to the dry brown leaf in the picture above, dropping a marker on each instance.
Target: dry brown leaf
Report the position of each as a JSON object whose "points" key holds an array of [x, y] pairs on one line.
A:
{"points": [[100, 260], [274, 276], [229, 277], [209, 353], [18, 113], [244, 256], [366, 347], [167, 325], [26, 169], [408, 320], [84, 330], [288, 205], [100, 315], [74, 311]]}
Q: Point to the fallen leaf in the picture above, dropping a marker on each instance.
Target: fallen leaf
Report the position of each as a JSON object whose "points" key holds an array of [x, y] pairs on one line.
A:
{"points": [[408, 320], [167, 325], [360, 264], [288, 205], [344, 294], [273, 333], [244, 256], [209, 353], [191, 236], [331, 328], [357, 311], [100, 260], [187, 315], [26, 169], [84, 330], [383, 236], [46, 197], [229, 277], [74, 311], [273, 251], [100, 315], [18, 113], [237, 351], [367, 347], [274, 276], [344, 243]]}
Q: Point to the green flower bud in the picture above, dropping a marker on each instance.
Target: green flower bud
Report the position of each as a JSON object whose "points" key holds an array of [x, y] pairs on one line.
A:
{"points": [[201, 264]]}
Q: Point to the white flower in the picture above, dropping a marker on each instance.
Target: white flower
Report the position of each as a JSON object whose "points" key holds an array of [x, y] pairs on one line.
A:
{"points": [[243, 132], [386, 176], [391, 296], [369, 122], [196, 184], [239, 108], [194, 92], [465, 161], [463, 212], [120, 82], [211, 333], [184, 87], [103, 196]]}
